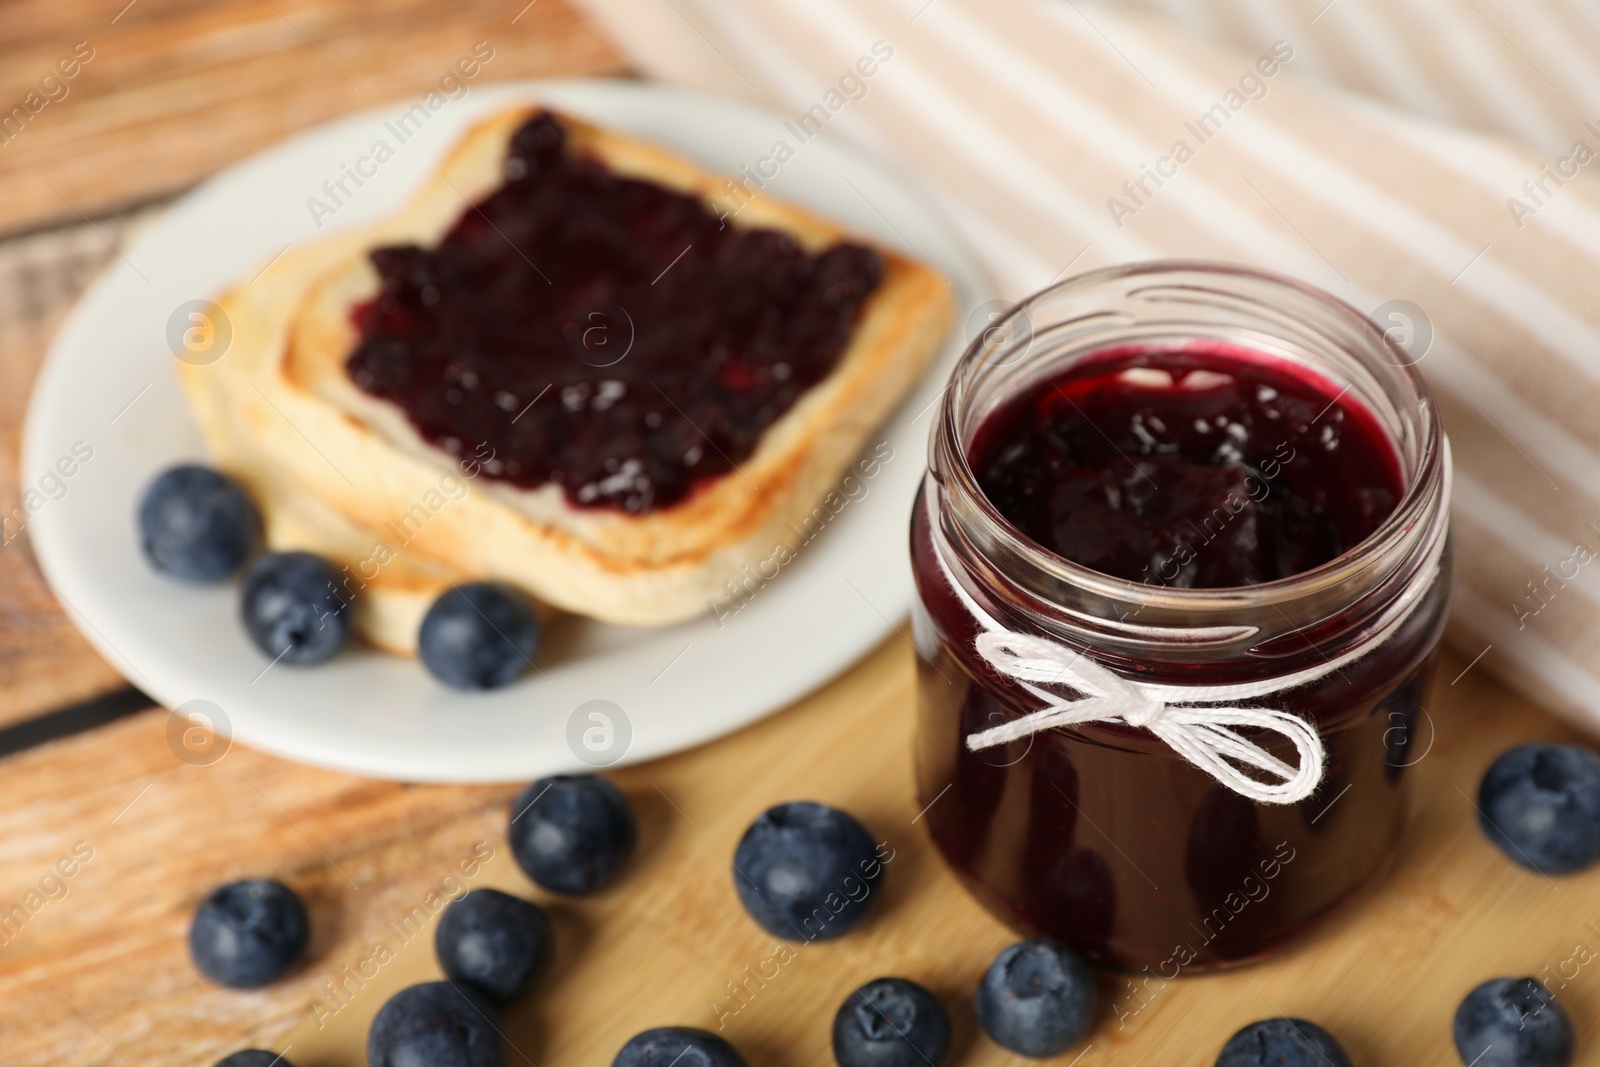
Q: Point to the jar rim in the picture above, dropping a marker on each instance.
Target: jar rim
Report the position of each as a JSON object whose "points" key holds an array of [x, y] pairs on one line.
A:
{"points": [[1418, 518]]}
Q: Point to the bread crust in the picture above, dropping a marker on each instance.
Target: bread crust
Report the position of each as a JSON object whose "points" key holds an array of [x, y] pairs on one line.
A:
{"points": [[281, 410]]}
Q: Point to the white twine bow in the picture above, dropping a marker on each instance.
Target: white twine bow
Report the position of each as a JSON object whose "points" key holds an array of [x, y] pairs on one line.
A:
{"points": [[1200, 732], [1199, 723]]}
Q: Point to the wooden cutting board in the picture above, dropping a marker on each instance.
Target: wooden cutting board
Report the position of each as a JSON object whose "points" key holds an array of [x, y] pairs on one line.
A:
{"points": [[100, 976]]}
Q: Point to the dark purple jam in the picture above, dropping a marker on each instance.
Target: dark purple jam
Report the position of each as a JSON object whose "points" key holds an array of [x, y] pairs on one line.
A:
{"points": [[1100, 835], [1202, 468], [608, 335]]}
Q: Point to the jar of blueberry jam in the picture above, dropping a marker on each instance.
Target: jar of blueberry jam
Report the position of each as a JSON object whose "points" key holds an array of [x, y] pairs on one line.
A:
{"points": [[1230, 491]]}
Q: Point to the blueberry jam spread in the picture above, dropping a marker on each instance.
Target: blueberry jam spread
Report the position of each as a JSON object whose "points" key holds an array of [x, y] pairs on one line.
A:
{"points": [[602, 333], [1201, 467]]}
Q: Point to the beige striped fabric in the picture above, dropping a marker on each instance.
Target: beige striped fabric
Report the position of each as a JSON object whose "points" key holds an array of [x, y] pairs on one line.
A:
{"points": [[1429, 152], [1529, 69]]}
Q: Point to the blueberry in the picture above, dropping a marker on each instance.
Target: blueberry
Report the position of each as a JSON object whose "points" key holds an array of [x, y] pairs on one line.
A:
{"points": [[1541, 805], [435, 1024], [891, 1022], [1512, 1022], [571, 833], [1282, 1043], [806, 871], [681, 1045], [478, 636], [197, 524], [496, 943], [1036, 999], [246, 934], [292, 609], [254, 1057]]}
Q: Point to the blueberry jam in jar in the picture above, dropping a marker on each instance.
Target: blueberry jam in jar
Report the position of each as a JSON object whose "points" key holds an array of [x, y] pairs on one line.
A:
{"points": [[1210, 482]]}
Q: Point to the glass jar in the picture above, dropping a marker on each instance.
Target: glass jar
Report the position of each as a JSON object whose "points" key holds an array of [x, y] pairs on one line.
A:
{"points": [[1099, 834]]}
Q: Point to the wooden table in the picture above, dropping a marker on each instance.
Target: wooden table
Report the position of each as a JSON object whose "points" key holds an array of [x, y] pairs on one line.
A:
{"points": [[95, 972]]}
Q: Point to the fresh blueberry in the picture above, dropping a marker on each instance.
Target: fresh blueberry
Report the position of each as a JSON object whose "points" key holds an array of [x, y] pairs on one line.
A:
{"points": [[1036, 999], [254, 1057], [197, 524], [681, 1045], [571, 833], [806, 871], [246, 934], [478, 636], [1541, 805], [435, 1024], [292, 609], [1512, 1022], [494, 942], [891, 1022], [1282, 1043]]}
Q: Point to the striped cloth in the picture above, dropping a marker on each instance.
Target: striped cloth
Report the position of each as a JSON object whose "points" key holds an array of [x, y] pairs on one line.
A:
{"points": [[1425, 159]]}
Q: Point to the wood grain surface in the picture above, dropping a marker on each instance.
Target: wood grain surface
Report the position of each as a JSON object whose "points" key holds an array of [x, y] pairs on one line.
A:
{"points": [[100, 976], [177, 89]]}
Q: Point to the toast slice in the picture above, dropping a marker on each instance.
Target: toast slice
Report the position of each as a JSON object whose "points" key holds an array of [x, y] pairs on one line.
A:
{"points": [[282, 410]]}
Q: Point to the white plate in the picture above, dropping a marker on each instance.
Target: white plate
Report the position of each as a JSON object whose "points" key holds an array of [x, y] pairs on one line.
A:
{"points": [[108, 383]]}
